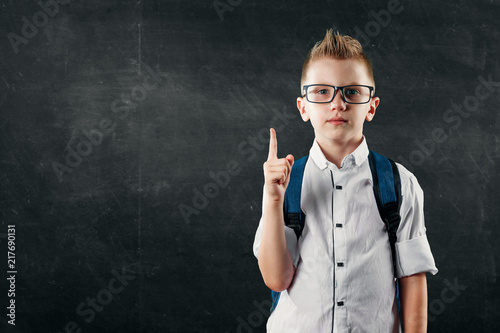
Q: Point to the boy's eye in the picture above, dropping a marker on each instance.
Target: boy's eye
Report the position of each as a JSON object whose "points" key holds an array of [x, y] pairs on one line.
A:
{"points": [[321, 90], [351, 91]]}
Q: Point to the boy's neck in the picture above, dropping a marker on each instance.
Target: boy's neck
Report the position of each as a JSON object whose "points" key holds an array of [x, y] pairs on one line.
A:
{"points": [[336, 151]]}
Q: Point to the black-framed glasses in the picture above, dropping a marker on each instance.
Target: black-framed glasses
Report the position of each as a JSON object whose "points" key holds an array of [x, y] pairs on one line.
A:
{"points": [[352, 94]]}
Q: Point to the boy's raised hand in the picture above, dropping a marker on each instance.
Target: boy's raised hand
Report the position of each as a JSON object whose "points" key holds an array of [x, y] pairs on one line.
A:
{"points": [[276, 170]]}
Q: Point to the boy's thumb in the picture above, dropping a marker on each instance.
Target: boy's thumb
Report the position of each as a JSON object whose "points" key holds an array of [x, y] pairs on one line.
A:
{"points": [[290, 159]]}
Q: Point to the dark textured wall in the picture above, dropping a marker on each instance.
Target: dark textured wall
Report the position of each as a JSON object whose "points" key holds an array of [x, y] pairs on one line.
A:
{"points": [[117, 115]]}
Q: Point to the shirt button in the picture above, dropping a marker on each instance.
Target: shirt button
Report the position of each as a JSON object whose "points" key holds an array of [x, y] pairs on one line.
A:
{"points": [[341, 303], [340, 264]]}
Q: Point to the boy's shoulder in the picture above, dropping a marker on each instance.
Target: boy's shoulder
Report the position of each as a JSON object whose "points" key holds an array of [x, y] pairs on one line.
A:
{"points": [[408, 180]]}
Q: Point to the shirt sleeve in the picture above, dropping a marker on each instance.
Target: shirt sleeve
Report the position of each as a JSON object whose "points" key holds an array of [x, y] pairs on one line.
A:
{"points": [[413, 251], [291, 238]]}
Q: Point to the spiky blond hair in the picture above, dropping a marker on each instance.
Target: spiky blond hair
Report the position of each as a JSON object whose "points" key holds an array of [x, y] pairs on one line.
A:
{"points": [[336, 46]]}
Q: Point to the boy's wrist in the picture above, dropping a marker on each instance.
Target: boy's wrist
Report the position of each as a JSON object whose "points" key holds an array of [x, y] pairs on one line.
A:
{"points": [[275, 203]]}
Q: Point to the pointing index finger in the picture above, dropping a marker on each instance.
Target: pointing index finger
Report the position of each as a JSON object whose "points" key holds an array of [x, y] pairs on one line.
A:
{"points": [[273, 146]]}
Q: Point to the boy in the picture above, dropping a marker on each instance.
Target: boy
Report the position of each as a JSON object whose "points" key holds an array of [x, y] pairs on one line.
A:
{"points": [[338, 276]]}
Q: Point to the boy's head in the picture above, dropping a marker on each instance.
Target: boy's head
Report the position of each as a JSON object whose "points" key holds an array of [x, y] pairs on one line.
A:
{"points": [[335, 46], [337, 90]]}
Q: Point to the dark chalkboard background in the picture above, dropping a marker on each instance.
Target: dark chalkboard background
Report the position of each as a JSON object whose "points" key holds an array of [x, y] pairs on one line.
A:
{"points": [[81, 83]]}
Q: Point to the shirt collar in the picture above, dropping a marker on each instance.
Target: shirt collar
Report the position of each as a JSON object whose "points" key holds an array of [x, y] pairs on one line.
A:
{"points": [[357, 157]]}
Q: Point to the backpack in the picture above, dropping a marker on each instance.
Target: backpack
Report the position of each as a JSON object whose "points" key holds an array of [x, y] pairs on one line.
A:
{"points": [[387, 191]]}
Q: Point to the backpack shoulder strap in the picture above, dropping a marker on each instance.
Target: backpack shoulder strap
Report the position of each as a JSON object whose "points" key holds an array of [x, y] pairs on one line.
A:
{"points": [[292, 213], [387, 191]]}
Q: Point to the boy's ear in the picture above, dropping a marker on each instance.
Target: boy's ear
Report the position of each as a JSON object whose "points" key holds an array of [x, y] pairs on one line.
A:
{"points": [[373, 106], [301, 105]]}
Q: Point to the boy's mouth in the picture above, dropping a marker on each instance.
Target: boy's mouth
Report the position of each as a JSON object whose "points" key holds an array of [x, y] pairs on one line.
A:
{"points": [[337, 121]]}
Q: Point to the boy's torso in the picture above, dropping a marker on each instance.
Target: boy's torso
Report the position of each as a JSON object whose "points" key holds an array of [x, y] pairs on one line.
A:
{"points": [[345, 264]]}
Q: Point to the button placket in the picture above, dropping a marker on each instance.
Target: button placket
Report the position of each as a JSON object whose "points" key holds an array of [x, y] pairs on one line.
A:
{"points": [[339, 243]]}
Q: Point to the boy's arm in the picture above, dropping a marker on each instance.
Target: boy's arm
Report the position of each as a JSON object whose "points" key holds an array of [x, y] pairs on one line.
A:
{"points": [[414, 302], [414, 256], [275, 261]]}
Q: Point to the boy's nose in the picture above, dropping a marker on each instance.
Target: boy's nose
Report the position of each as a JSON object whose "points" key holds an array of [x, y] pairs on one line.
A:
{"points": [[338, 102]]}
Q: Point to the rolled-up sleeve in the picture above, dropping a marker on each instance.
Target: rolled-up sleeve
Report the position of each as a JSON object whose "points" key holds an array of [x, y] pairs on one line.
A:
{"points": [[413, 251], [291, 238]]}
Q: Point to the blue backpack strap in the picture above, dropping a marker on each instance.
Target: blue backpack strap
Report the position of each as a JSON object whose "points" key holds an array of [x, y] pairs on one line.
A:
{"points": [[276, 297], [387, 191], [293, 215]]}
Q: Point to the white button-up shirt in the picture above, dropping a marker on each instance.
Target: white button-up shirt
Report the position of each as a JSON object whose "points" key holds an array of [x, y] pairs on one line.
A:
{"points": [[344, 279]]}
